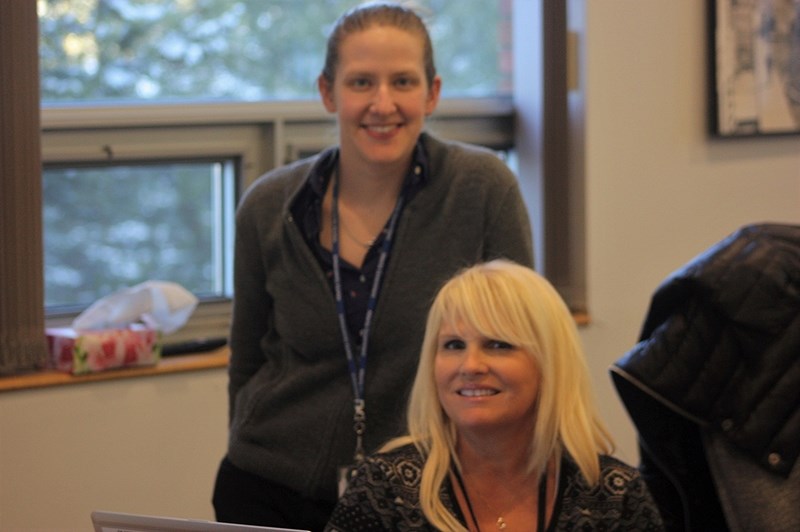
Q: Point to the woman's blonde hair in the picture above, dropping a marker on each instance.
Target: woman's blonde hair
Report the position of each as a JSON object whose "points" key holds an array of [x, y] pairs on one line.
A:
{"points": [[505, 301]]}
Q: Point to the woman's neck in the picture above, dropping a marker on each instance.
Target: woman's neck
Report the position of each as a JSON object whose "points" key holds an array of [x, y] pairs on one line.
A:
{"points": [[493, 459], [499, 447], [496, 489], [365, 203], [364, 185]]}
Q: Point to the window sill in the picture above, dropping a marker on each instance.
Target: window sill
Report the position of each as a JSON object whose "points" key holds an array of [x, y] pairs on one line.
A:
{"points": [[582, 318], [166, 366], [169, 365]]}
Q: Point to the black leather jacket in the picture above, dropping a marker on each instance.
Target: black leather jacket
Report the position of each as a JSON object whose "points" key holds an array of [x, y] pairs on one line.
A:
{"points": [[719, 351]]}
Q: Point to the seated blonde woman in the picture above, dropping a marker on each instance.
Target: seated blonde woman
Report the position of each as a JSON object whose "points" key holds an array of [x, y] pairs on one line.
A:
{"points": [[502, 430]]}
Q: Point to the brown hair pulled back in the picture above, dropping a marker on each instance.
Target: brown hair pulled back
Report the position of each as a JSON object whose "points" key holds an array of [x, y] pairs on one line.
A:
{"points": [[371, 14]]}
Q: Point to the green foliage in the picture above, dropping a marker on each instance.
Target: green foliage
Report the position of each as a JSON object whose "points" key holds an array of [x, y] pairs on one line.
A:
{"points": [[241, 50], [108, 227]]}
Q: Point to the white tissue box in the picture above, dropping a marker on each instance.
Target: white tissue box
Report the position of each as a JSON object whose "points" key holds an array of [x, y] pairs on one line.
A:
{"points": [[92, 351]]}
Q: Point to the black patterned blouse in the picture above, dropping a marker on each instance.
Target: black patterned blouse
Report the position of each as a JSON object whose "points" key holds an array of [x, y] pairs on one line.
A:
{"points": [[384, 495]]}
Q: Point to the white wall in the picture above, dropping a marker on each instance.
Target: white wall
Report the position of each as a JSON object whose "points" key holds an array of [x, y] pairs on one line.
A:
{"points": [[147, 445], [658, 191]]}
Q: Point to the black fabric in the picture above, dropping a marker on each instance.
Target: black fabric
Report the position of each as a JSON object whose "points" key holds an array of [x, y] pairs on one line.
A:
{"points": [[721, 341], [672, 453], [719, 351], [243, 498], [289, 390], [384, 494], [307, 209]]}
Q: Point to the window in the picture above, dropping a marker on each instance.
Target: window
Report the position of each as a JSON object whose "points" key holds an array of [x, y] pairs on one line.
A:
{"points": [[540, 119], [123, 204], [245, 50], [205, 95], [109, 225]]}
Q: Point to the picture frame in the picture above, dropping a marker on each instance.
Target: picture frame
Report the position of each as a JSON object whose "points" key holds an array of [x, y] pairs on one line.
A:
{"points": [[755, 67]]}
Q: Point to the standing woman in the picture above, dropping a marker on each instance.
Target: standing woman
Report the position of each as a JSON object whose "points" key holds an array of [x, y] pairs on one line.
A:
{"points": [[337, 258]]}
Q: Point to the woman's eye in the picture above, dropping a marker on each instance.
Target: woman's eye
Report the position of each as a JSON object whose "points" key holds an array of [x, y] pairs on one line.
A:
{"points": [[451, 345], [499, 344], [405, 82], [360, 83]]}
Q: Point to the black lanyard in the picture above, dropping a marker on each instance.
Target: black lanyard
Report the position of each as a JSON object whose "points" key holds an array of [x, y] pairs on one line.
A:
{"points": [[357, 367]]}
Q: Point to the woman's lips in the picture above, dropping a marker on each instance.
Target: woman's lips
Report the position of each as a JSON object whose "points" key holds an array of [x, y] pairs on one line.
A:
{"points": [[477, 392]]}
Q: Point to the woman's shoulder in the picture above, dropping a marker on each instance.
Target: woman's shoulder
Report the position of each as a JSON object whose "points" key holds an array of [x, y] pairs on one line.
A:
{"points": [[620, 496], [383, 494], [289, 175], [395, 473], [399, 467], [284, 181], [614, 473], [610, 464], [460, 158], [617, 481], [404, 455]]}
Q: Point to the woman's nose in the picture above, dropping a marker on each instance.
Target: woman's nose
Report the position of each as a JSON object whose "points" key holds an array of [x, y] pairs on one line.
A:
{"points": [[383, 100], [473, 361]]}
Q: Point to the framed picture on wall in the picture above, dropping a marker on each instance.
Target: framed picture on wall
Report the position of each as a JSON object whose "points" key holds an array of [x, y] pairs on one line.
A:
{"points": [[755, 67]]}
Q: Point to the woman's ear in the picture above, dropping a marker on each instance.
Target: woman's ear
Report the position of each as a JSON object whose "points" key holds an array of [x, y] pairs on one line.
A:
{"points": [[326, 93], [433, 95]]}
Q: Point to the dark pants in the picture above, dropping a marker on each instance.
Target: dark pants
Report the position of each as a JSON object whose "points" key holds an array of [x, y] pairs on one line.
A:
{"points": [[245, 498]]}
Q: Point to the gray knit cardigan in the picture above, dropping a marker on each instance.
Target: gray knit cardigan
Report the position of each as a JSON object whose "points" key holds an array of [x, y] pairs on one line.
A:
{"points": [[291, 404]]}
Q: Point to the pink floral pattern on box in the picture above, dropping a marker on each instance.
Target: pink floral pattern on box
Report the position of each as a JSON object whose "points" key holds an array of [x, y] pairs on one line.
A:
{"points": [[92, 351]]}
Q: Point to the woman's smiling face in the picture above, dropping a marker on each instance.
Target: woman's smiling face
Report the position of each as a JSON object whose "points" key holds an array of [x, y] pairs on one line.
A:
{"points": [[484, 383], [380, 95]]}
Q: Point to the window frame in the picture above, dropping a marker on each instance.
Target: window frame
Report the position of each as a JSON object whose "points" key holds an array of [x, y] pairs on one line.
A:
{"points": [[542, 123], [262, 135], [223, 191]]}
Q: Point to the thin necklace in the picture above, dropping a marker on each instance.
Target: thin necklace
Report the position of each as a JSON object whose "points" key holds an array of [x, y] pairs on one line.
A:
{"points": [[501, 522], [366, 245]]}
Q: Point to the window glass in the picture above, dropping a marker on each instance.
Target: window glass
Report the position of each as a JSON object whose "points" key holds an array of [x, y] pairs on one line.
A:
{"points": [[246, 50], [107, 227], [111, 224]]}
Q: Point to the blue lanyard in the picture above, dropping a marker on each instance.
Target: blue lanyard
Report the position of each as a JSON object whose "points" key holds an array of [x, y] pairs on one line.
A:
{"points": [[357, 368]]}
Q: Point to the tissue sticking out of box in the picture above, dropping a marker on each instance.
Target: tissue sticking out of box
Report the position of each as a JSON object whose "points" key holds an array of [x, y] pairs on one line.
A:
{"points": [[160, 305]]}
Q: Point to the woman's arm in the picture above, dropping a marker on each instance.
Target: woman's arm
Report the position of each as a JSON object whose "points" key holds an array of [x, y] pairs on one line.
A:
{"points": [[508, 234], [383, 495], [365, 504], [252, 305]]}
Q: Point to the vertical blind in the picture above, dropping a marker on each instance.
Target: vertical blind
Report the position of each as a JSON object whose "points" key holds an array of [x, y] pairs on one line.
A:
{"points": [[22, 341]]}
